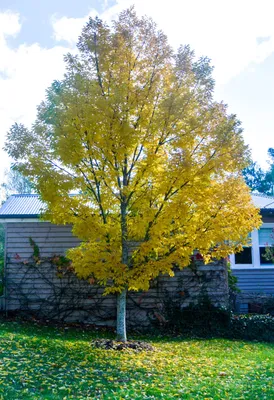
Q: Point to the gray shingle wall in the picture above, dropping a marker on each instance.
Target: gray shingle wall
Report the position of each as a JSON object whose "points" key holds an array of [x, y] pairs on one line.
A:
{"points": [[51, 239]]}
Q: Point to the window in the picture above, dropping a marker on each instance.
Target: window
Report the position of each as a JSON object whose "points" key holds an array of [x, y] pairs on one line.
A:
{"points": [[244, 257], [253, 256], [266, 238]]}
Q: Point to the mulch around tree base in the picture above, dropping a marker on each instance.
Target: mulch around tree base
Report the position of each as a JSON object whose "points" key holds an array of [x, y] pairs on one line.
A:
{"points": [[108, 344]]}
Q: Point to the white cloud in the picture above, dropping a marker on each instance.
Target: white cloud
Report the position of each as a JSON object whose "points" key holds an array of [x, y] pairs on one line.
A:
{"points": [[226, 32], [9, 24], [25, 73], [69, 29]]}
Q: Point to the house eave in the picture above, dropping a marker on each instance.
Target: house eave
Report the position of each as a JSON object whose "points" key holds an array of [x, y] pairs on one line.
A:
{"points": [[19, 218], [11, 216], [267, 211]]}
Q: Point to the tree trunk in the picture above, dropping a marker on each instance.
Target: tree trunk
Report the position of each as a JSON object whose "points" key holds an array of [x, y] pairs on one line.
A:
{"points": [[122, 297], [121, 316]]}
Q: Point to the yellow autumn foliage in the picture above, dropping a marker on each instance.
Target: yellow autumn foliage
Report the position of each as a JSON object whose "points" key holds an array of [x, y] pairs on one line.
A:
{"points": [[153, 162]]}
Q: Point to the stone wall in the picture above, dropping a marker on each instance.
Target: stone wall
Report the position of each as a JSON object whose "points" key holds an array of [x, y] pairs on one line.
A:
{"points": [[38, 289]]}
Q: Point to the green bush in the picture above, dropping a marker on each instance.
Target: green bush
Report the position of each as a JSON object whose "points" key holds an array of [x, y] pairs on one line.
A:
{"points": [[205, 320], [2, 245], [202, 318], [232, 281], [268, 306], [252, 327]]}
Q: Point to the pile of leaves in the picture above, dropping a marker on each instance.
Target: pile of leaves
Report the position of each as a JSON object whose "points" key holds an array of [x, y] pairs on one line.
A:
{"points": [[109, 344]]}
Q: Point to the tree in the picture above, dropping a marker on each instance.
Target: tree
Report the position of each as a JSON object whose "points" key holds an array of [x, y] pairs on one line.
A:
{"points": [[16, 183], [259, 180], [155, 164], [271, 154], [269, 176], [255, 178]]}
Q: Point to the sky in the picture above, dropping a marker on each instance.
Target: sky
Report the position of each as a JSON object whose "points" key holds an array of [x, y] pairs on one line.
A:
{"points": [[237, 35]]}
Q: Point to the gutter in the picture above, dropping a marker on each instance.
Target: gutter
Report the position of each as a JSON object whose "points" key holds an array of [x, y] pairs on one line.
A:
{"points": [[11, 216]]}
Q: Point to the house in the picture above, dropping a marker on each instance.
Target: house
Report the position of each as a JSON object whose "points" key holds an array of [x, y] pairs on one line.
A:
{"points": [[254, 272], [37, 282], [20, 215]]}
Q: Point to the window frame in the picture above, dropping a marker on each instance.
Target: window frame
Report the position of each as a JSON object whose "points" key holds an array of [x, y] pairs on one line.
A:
{"points": [[266, 225], [255, 252]]}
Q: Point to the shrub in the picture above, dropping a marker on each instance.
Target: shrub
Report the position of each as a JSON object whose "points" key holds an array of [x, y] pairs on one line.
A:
{"points": [[2, 239], [201, 318], [252, 327], [232, 281], [232, 287], [205, 320], [268, 306]]}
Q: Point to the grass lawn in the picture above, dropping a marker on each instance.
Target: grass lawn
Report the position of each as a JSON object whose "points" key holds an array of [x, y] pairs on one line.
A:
{"points": [[49, 363]]}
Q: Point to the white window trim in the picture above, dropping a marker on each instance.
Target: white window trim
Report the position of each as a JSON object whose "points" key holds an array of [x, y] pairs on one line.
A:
{"points": [[255, 252]]}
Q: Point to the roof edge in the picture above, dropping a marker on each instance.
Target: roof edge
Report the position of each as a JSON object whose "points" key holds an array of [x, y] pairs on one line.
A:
{"points": [[24, 195], [11, 216], [262, 195]]}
